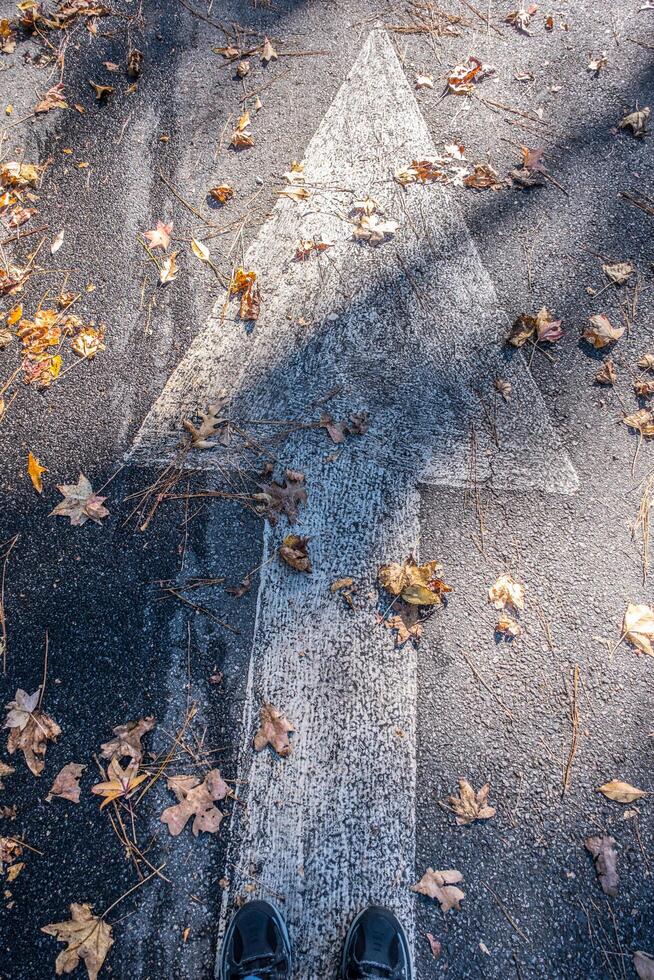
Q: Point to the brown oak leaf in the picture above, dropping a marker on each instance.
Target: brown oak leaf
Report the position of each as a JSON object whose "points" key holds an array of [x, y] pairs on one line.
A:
{"points": [[470, 806], [80, 503], [214, 416], [66, 783], [30, 729], [195, 799], [441, 885], [274, 730], [53, 99], [606, 862], [127, 743], [282, 498], [405, 623], [293, 550], [88, 936]]}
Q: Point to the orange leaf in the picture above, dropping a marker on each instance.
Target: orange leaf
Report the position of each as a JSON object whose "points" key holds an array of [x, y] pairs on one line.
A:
{"points": [[35, 470]]}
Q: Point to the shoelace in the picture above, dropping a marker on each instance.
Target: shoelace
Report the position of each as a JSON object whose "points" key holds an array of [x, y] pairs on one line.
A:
{"points": [[266, 972], [365, 965]]}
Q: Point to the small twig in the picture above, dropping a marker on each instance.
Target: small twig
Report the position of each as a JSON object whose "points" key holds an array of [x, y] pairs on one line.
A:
{"points": [[574, 719], [3, 619], [23, 234], [45, 672], [492, 693], [505, 912], [132, 889]]}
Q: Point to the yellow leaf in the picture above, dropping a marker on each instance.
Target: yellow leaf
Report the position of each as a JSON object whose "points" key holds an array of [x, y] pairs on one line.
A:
{"points": [[620, 792], [14, 315], [55, 365], [35, 470], [200, 250]]}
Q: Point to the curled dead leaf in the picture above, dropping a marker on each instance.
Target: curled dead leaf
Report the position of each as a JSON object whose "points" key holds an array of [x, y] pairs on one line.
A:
{"points": [[607, 374], [642, 421], [618, 272], [638, 627], [274, 730], [602, 848], [222, 193], [35, 472], [210, 420], [600, 332], [469, 805], [66, 784], [643, 962], [282, 498], [127, 741], [80, 503], [415, 584], [507, 592], [293, 550], [636, 121], [441, 885], [508, 627]]}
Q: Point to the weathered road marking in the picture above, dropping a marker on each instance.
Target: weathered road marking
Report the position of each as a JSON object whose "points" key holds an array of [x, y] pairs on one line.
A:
{"points": [[408, 329]]}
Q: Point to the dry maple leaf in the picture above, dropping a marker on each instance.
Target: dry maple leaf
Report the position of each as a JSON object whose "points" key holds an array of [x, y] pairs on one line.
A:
{"points": [[35, 472], [374, 229], [195, 799], [293, 550], [606, 375], [274, 730], [5, 771], [405, 623], [30, 729], [601, 332], [19, 175], [620, 792], [636, 121], [222, 193], [88, 936], [159, 237], [618, 272], [416, 584], [53, 99], [120, 785], [470, 806], [282, 498], [638, 627], [127, 741], [80, 503], [66, 783], [643, 962], [210, 420], [241, 138], [442, 886], [507, 592], [169, 269], [268, 53], [606, 862], [89, 342]]}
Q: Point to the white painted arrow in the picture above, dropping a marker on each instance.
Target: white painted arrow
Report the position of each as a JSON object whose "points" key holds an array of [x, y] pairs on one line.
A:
{"points": [[408, 330]]}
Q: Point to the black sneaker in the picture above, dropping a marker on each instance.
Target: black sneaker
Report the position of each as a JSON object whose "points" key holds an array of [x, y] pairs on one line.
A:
{"points": [[256, 945], [376, 947]]}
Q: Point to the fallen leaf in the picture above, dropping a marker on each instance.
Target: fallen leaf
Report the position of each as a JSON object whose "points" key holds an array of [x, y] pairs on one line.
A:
{"points": [[462, 79], [357, 425], [88, 342], [57, 243], [311, 246], [441, 885], [434, 945], [373, 229], [504, 388], [606, 375], [470, 805], [222, 193], [638, 627], [620, 792], [521, 19], [102, 92], [241, 138], [35, 472], [642, 421], [5, 771], [10, 851], [53, 99], [416, 584], [210, 420], [506, 592], [405, 623], [30, 729], [200, 250], [636, 121], [159, 237], [245, 284], [66, 783], [121, 783], [646, 362], [643, 962], [80, 503], [243, 68], [618, 272], [296, 174], [89, 938], [293, 550], [606, 862], [169, 269], [508, 627], [238, 591], [601, 332], [483, 177], [424, 81], [542, 326], [274, 730], [282, 498], [127, 741], [296, 194], [597, 63], [268, 53], [195, 799], [549, 23], [644, 387]]}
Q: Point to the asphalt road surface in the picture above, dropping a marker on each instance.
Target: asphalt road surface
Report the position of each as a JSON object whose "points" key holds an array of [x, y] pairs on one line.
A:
{"points": [[547, 486]]}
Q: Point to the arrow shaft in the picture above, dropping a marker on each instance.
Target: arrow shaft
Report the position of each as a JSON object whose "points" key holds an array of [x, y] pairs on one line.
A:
{"points": [[332, 828]]}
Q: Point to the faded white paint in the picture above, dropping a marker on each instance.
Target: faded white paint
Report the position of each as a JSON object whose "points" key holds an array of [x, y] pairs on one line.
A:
{"points": [[408, 330]]}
